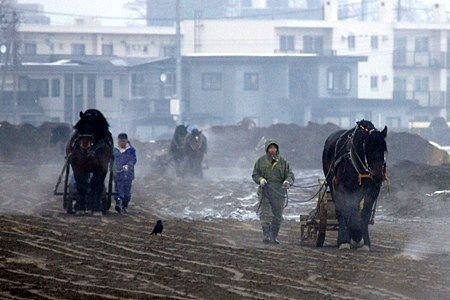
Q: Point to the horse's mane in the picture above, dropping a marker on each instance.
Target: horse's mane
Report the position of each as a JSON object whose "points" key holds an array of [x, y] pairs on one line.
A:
{"points": [[95, 121]]}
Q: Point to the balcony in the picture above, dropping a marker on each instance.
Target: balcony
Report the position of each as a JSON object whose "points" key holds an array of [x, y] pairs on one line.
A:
{"points": [[434, 99], [414, 59]]}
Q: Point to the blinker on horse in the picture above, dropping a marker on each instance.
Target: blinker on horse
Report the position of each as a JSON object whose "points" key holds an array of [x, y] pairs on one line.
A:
{"points": [[89, 152], [354, 166]]}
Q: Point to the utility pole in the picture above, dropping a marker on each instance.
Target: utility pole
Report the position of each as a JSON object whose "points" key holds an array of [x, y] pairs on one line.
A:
{"points": [[178, 80], [8, 23]]}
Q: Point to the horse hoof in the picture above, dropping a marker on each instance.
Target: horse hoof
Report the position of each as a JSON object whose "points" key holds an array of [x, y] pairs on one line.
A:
{"points": [[365, 248], [356, 245], [344, 246]]}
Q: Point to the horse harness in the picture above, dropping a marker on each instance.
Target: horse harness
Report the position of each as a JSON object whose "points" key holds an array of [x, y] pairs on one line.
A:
{"points": [[360, 165], [196, 142], [92, 146]]}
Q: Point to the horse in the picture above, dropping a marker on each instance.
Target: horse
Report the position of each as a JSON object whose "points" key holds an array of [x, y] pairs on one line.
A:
{"points": [[90, 152], [195, 148], [177, 147], [354, 166]]}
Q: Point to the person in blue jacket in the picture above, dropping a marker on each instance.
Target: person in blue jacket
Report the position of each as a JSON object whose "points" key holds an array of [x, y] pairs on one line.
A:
{"points": [[125, 159]]}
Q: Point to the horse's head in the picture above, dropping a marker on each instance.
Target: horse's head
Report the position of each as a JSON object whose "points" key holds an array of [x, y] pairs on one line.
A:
{"points": [[196, 141], [92, 126], [375, 150], [196, 134]]}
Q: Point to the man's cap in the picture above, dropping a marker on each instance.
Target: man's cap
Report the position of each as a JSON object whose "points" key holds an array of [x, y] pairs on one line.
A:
{"points": [[122, 136]]}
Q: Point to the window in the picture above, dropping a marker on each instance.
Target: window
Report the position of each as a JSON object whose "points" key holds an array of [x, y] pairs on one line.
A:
{"points": [[421, 44], [138, 85], [168, 51], [287, 42], [374, 82], [312, 44], [107, 49], [338, 80], [23, 83], [211, 81], [30, 49], [39, 86], [251, 81], [421, 84], [169, 84], [351, 42], [107, 88], [78, 49], [374, 42], [56, 88]]}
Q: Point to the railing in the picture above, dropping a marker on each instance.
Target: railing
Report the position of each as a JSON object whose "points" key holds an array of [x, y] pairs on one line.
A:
{"points": [[423, 98], [323, 52], [429, 59]]}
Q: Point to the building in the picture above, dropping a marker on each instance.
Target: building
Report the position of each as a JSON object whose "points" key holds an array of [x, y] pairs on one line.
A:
{"points": [[391, 72]]}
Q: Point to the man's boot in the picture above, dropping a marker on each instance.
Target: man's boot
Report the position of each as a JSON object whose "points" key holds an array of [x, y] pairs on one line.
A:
{"points": [[266, 233], [275, 229]]}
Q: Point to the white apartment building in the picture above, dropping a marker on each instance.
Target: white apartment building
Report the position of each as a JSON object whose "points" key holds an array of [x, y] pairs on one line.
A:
{"points": [[423, 77], [405, 61], [83, 40]]}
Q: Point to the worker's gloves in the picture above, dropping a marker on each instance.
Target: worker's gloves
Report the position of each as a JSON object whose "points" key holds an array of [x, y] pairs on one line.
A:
{"points": [[286, 184], [262, 182], [125, 168]]}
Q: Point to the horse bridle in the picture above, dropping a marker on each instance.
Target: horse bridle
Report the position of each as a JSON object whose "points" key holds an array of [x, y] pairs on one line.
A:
{"points": [[91, 141], [353, 155]]}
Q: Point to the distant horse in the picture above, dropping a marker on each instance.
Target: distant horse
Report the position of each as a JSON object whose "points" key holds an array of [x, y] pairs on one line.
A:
{"points": [[90, 152], [354, 166], [195, 149], [177, 147], [59, 136]]}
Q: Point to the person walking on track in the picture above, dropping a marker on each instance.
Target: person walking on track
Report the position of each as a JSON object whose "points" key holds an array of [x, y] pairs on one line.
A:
{"points": [[125, 159], [274, 176]]}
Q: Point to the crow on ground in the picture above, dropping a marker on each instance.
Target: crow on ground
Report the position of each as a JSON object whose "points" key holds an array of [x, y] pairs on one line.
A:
{"points": [[158, 228]]}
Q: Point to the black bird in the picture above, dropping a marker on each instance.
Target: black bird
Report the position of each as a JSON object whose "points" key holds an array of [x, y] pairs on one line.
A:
{"points": [[158, 228]]}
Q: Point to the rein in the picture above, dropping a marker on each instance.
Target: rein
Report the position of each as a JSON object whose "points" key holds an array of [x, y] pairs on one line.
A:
{"points": [[353, 156]]}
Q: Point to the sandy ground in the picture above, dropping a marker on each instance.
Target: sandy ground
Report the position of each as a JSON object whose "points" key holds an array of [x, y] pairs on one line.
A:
{"points": [[211, 245]]}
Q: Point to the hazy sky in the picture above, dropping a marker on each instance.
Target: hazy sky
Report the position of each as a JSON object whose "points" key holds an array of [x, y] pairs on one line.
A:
{"points": [[113, 13], [112, 10]]}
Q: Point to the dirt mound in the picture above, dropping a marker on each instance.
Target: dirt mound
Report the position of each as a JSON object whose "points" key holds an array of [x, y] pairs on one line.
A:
{"points": [[417, 190], [228, 146], [24, 144]]}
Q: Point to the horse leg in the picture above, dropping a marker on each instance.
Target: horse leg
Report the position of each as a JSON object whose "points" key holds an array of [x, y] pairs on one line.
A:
{"points": [[366, 214], [81, 181], [355, 220], [342, 215], [97, 186]]}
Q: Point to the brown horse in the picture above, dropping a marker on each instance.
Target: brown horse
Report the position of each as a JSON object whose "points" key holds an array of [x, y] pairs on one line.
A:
{"points": [[195, 149], [89, 152], [354, 166], [177, 148]]}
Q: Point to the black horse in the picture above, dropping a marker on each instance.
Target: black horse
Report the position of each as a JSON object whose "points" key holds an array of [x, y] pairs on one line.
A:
{"points": [[90, 152], [177, 148], [195, 149], [354, 166]]}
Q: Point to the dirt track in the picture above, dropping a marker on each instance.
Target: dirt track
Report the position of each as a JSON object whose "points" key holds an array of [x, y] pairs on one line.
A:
{"points": [[46, 254]]}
